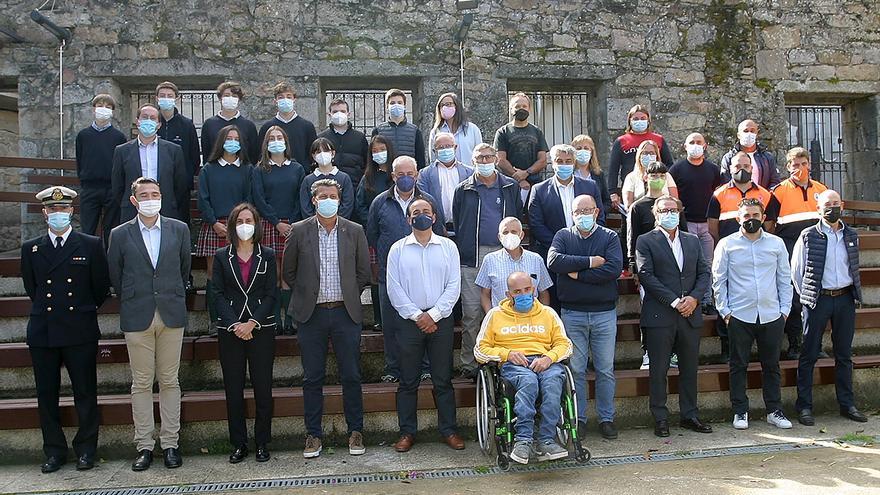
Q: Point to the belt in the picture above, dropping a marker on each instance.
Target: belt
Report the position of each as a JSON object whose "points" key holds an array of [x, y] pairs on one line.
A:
{"points": [[331, 305], [835, 292]]}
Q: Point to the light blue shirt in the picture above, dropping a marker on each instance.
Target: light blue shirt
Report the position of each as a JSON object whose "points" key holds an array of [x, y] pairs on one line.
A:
{"points": [[835, 274], [423, 278], [752, 279], [152, 239], [498, 265], [149, 159], [466, 137]]}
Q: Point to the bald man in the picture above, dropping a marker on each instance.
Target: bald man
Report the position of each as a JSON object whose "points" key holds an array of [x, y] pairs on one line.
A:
{"points": [[697, 178], [765, 173], [529, 341], [825, 273]]}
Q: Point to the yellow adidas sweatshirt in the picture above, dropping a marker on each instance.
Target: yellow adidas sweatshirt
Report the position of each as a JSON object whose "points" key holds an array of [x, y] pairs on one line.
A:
{"points": [[537, 332]]}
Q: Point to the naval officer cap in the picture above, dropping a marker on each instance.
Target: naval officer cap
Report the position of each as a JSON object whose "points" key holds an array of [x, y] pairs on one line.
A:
{"points": [[56, 195]]}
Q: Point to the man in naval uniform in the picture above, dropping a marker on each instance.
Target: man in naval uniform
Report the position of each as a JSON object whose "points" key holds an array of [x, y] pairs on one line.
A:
{"points": [[66, 276]]}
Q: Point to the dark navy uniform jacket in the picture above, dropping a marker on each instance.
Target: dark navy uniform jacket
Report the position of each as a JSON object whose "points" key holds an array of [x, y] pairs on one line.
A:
{"points": [[66, 287]]}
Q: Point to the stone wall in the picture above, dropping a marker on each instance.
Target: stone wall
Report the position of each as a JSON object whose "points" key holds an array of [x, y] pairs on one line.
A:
{"points": [[699, 64], [10, 213]]}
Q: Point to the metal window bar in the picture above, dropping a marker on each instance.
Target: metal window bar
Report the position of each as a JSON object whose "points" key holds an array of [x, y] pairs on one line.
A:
{"points": [[198, 105], [562, 115], [819, 129], [367, 107]]}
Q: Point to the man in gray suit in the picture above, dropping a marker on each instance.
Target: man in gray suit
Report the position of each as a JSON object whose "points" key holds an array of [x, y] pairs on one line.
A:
{"points": [[149, 258], [153, 158], [675, 276], [327, 265]]}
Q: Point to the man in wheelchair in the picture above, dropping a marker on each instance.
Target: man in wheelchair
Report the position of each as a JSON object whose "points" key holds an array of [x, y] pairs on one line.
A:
{"points": [[529, 341]]}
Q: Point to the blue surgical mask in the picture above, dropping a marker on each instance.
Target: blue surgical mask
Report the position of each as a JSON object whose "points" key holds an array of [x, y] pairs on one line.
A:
{"points": [[647, 160], [406, 183], [231, 146], [669, 220], [486, 169], [422, 222], [285, 105], [564, 171], [523, 302], [327, 207], [166, 104], [276, 146], [585, 222], [380, 157], [59, 220], [396, 110], [446, 155], [583, 156], [639, 125], [147, 127]]}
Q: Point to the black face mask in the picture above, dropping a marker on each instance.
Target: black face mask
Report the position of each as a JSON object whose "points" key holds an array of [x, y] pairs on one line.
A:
{"points": [[742, 176], [521, 114], [831, 214], [752, 225]]}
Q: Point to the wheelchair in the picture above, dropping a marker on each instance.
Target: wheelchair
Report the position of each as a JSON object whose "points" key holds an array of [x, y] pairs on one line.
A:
{"points": [[496, 420]]}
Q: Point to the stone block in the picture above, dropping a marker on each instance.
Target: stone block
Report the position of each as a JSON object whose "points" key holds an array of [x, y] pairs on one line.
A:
{"points": [[861, 72], [626, 41], [363, 51], [781, 37], [564, 40], [833, 57], [771, 64], [600, 56], [682, 77], [801, 57]]}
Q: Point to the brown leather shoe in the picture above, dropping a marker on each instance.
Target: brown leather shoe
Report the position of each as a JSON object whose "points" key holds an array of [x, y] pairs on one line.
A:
{"points": [[404, 443], [454, 441]]}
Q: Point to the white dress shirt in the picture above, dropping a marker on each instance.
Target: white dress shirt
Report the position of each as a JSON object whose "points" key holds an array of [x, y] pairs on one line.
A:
{"points": [[404, 203], [152, 237], [675, 244], [448, 182], [566, 195], [64, 236], [149, 154], [410, 265], [318, 173], [237, 115]]}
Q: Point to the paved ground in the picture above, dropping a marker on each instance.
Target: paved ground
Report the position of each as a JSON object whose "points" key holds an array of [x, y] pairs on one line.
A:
{"points": [[843, 469]]}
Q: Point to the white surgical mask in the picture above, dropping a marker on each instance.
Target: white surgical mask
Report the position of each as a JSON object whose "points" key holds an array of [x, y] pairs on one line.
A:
{"points": [[103, 114], [694, 150], [244, 231], [748, 139], [229, 102], [510, 241], [149, 207], [324, 158], [339, 118]]}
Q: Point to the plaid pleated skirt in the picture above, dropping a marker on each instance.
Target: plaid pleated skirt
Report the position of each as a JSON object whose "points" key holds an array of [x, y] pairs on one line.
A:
{"points": [[272, 238], [209, 242]]}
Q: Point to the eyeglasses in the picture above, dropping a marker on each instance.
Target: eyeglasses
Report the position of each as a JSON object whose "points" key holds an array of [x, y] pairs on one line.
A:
{"points": [[585, 211], [445, 147], [668, 210], [485, 158]]}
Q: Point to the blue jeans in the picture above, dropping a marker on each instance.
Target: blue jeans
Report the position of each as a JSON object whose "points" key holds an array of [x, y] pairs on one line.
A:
{"points": [[593, 333], [528, 384]]}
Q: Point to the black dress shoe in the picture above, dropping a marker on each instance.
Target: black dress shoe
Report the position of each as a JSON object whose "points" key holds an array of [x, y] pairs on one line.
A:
{"points": [[262, 453], [143, 461], [85, 462], [238, 455], [661, 428], [53, 463], [607, 430], [172, 458], [805, 417], [854, 414], [696, 425]]}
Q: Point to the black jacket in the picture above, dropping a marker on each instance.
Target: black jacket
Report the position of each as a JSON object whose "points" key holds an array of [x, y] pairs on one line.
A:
{"points": [[237, 300], [66, 288], [351, 151]]}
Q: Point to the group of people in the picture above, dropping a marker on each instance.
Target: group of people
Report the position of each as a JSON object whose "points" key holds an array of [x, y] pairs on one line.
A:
{"points": [[295, 225]]}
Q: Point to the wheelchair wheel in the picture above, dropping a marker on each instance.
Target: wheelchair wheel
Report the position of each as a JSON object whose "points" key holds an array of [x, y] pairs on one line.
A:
{"points": [[486, 415]]}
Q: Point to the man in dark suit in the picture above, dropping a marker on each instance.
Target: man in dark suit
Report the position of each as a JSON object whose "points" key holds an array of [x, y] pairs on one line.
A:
{"points": [[65, 276], [550, 204], [326, 263], [149, 258], [675, 276], [153, 158]]}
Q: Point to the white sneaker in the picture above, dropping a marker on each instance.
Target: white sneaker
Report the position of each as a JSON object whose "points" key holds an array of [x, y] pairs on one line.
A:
{"points": [[673, 360], [778, 419], [646, 363], [741, 421]]}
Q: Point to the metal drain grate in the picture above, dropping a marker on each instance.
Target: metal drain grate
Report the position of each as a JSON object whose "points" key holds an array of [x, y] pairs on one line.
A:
{"points": [[315, 481]]}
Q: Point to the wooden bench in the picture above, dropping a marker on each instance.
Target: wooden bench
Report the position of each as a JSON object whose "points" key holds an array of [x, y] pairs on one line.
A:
{"points": [[380, 397]]}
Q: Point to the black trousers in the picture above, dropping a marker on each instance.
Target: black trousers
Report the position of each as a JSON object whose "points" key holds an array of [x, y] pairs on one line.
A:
{"points": [[236, 357], [413, 344], [841, 312], [685, 341], [81, 364], [769, 339], [96, 205]]}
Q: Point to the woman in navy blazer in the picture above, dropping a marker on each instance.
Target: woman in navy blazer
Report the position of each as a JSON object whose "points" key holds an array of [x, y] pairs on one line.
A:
{"points": [[245, 283]]}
